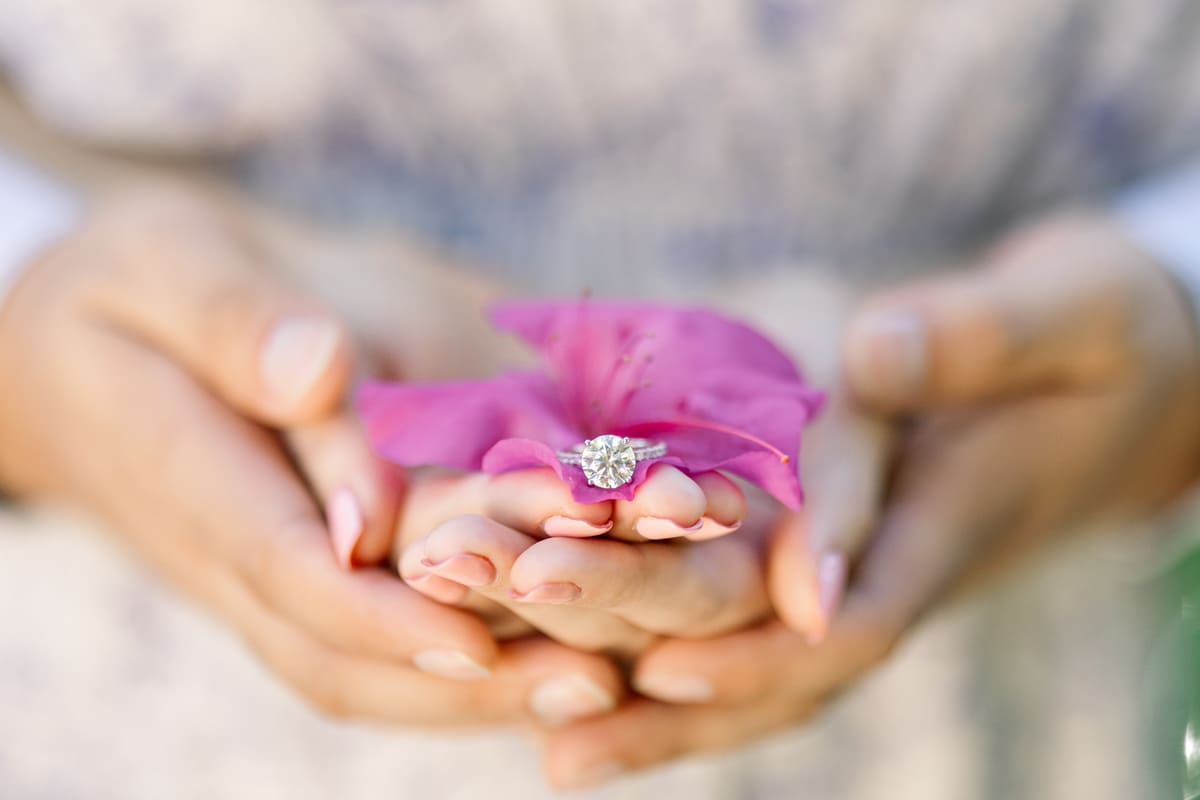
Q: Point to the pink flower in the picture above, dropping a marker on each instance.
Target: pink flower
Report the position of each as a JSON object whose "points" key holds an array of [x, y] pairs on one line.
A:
{"points": [[719, 394]]}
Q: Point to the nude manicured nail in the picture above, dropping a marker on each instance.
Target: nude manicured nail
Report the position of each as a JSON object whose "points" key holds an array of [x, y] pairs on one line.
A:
{"points": [[345, 525], [898, 348], [663, 528], [296, 354], [560, 700], [465, 568], [553, 593], [450, 664], [711, 529], [568, 527], [675, 688], [831, 587]]}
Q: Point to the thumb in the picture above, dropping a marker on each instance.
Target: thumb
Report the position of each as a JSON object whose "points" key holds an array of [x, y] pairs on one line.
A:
{"points": [[177, 276], [1053, 306], [846, 461]]}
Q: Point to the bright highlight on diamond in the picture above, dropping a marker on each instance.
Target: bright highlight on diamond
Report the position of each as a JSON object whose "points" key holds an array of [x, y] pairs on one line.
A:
{"points": [[608, 461]]}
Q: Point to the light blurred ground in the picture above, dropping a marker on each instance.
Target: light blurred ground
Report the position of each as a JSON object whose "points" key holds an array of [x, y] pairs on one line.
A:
{"points": [[112, 687]]}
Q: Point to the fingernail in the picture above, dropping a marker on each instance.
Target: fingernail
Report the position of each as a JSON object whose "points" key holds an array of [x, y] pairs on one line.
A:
{"points": [[345, 525], [595, 775], [465, 568], [554, 593], [663, 528], [295, 355], [899, 354], [573, 528], [560, 700], [450, 664], [831, 586], [675, 688], [711, 529]]}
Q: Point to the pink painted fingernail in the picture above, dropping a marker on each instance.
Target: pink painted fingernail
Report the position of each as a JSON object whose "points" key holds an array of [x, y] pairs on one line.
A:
{"points": [[663, 528], [345, 525], [573, 528], [553, 593], [831, 586], [465, 568], [711, 529]]}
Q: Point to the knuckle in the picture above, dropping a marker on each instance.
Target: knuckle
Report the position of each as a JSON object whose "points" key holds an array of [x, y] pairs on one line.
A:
{"points": [[230, 317]]}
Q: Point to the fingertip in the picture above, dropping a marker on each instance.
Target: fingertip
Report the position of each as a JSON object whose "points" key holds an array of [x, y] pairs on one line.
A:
{"points": [[414, 573], [668, 505], [886, 355], [345, 518], [711, 529], [725, 503], [538, 500], [381, 489], [304, 368], [791, 575]]}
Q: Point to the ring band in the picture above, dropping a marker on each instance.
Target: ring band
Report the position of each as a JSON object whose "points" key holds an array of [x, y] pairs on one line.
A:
{"points": [[608, 461]]}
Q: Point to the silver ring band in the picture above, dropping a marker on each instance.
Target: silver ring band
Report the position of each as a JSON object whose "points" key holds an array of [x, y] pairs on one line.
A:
{"points": [[609, 461], [643, 450]]}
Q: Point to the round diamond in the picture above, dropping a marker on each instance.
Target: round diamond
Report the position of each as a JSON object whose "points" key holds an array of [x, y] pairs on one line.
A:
{"points": [[607, 461]]}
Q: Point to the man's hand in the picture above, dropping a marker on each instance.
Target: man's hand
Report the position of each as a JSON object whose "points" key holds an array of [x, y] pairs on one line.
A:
{"points": [[149, 366], [1057, 385]]}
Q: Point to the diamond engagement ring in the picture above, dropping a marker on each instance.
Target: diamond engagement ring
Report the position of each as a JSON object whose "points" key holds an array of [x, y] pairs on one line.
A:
{"points": [[608, 461]]}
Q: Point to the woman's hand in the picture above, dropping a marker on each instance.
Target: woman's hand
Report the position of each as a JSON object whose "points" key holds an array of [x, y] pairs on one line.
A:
{"points": [[148, 365], [517, 542], [1057, 386]]}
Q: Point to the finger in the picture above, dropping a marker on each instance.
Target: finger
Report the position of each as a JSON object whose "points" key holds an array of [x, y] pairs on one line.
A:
{"points": [[537, 500], [417, 575], [845, 467], [533, 678], [237, 496], [360, 493], [667, 505], [756, 664], [643, 733], [694, 590], [181, 280], [479, 553], [725, 506], [947, 509], [999, 329]]}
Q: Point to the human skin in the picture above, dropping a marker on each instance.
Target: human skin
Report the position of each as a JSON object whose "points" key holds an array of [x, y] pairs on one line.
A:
{"points": [[1065, 333], [155, 371], [208, 492]]}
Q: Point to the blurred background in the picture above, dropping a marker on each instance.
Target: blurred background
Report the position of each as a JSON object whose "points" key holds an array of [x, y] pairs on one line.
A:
{"points": [[655, 149]]}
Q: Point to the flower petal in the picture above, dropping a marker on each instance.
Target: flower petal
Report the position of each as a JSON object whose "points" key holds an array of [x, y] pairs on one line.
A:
{"points": [[620, 363], [455, 424]]}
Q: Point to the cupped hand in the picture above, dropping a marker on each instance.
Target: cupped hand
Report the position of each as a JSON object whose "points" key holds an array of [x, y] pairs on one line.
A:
{"points": [[518, 541], [1056, 386], [150, 367]]}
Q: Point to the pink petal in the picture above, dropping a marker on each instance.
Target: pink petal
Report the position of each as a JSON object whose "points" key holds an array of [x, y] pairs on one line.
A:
{"points": [[455, 424]]}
